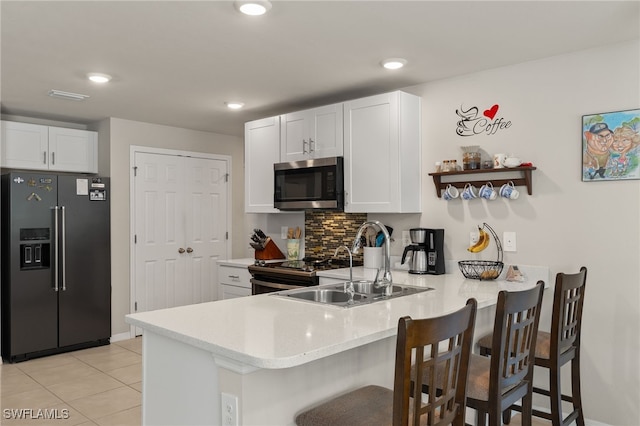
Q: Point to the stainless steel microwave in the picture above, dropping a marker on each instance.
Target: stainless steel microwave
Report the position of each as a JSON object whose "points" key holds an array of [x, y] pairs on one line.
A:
{"points": [[309, 184]]}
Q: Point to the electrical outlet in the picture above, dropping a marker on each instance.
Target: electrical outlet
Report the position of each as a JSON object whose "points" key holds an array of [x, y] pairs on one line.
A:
{"points": [[406, 238], [283, 232], [509, 239], [229, 409], [473, 237]]}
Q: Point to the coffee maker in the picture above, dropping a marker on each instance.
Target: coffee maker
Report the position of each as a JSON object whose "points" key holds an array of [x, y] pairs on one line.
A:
{"points": [[427, 251]]}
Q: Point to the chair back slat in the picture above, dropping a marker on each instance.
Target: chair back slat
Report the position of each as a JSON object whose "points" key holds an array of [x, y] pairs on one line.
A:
{"points": [[439, 349]]}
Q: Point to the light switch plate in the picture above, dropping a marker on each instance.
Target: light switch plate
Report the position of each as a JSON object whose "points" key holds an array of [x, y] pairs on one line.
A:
{"points": [[509, 239], [283, 232]]}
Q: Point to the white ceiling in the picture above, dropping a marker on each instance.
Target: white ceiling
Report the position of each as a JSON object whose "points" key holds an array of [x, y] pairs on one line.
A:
{"points": [[177, 62]]}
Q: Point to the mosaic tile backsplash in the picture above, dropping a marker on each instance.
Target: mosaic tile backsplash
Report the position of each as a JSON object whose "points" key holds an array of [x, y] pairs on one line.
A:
{"points": [[326, 231]]}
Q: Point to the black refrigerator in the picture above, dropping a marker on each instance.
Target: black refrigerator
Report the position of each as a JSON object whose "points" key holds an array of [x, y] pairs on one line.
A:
{"points": [[56, 265]]}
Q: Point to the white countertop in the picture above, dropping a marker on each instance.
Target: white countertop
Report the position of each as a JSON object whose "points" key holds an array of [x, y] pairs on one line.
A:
{"points": [[268, 331], [237, 262]]}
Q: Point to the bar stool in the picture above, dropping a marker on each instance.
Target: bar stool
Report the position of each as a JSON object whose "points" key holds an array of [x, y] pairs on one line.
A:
{"points": [[558, 347], [379, 406]]}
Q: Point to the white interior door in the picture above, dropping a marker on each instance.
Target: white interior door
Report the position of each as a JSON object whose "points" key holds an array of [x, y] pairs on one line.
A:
{"points": [[180, 229], [205, 227], [159, 231]]}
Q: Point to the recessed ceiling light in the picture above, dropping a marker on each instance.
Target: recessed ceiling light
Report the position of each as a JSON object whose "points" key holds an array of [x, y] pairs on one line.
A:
{"points": [[253, 7], [67, 95], [234, 105], [98, 77], [394, 63]]}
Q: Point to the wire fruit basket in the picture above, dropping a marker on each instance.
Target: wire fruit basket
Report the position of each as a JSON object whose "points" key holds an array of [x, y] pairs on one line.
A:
{"points": [[483, 269]]}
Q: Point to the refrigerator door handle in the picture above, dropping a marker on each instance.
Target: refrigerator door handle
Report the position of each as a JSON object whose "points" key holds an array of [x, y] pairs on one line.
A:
{"points": [[63, 264], [56, 286]]}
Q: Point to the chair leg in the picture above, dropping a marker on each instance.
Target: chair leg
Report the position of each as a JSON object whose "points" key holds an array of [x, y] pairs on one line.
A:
{"points": [[555, 395], [575, 389], [481, 418], [527, 409], [506, 416]]}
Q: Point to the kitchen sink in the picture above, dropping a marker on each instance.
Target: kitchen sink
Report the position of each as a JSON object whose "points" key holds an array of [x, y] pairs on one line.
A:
{"points": [[334, 294]]}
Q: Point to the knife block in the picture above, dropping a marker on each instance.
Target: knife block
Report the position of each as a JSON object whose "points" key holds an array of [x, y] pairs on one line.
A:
{"points": [[270, 251]]}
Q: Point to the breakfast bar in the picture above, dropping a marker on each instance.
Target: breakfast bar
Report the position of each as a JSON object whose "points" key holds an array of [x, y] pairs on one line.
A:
{"points": [[269, 356]]}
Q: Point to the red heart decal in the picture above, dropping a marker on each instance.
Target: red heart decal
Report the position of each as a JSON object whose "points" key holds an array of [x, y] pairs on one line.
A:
{"points": [[491, 112]]}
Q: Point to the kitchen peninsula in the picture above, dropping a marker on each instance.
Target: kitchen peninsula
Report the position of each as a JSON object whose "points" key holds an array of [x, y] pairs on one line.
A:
{"points": [[279, 356]]}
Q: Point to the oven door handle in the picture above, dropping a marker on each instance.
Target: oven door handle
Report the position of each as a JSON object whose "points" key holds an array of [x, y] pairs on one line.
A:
{"points": [[274, 285]]}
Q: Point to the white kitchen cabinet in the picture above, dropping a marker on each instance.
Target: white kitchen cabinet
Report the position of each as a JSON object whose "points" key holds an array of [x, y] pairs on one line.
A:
{"points": [[38, 147], [261, 152], [382, 154], [234, 281], [313, 133]]}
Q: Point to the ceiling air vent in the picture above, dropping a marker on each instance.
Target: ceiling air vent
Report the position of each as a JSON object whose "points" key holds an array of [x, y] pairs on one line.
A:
{"points": [[67, 95]]}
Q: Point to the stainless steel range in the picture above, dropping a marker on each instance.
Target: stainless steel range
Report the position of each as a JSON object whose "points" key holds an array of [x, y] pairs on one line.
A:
{"points": [[290, 274]]}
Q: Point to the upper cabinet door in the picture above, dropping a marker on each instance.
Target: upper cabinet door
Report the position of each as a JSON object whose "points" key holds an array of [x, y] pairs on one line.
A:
{"points": [[73, 150], [37, 147], [24, 146], [313, 133], [382, 154], [261, 152]]}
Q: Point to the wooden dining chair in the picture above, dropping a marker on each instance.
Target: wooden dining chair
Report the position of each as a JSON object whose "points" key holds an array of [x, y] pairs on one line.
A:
{"points": [[496, 383], [441, 343], [558, 347]]}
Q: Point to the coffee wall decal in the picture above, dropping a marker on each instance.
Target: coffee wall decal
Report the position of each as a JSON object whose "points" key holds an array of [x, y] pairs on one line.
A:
{"points": [[473, 123]]}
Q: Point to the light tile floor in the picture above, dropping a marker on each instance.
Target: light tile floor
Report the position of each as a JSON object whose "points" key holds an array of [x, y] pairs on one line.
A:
{"points": [[97, 386]]}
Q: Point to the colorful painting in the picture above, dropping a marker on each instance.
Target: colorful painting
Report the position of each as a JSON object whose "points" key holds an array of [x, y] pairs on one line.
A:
{"points": [[610, 146]]}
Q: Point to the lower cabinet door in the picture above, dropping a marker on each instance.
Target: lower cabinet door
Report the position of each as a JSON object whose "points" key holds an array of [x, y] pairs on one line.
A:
{"points": [[232, 291]]}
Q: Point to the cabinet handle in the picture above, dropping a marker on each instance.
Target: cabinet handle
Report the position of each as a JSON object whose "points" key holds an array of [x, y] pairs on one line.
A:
{"points": [[44, 157], [312, 146], [304, 146], [53, 158], [189, 250], [180, 250], [234, 277]]}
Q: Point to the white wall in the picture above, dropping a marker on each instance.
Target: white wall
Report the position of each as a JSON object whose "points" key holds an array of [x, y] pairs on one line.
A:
{"points": [[566, 223], [123, 134]]}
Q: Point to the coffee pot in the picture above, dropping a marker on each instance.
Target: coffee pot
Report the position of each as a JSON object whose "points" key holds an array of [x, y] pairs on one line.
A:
{"points": [[418, 262]]}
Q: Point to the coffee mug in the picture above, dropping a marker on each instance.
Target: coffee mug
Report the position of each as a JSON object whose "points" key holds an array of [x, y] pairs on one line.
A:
{"points": [[498, 160], [509, 191], [487, 192], [450, 192], [469, 192]]}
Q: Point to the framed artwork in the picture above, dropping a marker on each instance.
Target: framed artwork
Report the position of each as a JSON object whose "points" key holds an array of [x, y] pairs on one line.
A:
{"points": [[610, 146]]}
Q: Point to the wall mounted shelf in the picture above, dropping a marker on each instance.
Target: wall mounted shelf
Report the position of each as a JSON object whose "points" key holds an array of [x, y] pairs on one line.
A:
{"points": [[463, 177]]}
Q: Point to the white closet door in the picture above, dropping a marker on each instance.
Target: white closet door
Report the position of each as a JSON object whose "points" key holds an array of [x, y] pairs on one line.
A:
{"points": [[159, 231], [205, 226], [180, 229]]}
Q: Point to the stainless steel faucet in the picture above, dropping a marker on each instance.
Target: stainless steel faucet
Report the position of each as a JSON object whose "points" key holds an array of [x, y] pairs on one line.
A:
{"points": [[348, 286], [386, 280]]}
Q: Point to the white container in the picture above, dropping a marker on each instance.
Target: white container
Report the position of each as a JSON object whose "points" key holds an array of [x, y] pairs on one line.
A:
{"points": [[373, 257]]}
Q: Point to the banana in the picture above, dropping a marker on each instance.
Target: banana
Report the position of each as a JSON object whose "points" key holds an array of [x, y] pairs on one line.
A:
{"points": [[482, 243]]}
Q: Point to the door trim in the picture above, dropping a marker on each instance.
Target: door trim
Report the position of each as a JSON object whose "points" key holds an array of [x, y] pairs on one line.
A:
{"points": [[133, 150]]}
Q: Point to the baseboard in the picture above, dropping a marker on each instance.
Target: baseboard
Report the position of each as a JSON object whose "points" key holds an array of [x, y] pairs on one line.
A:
{"points": [[120, 336]]}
